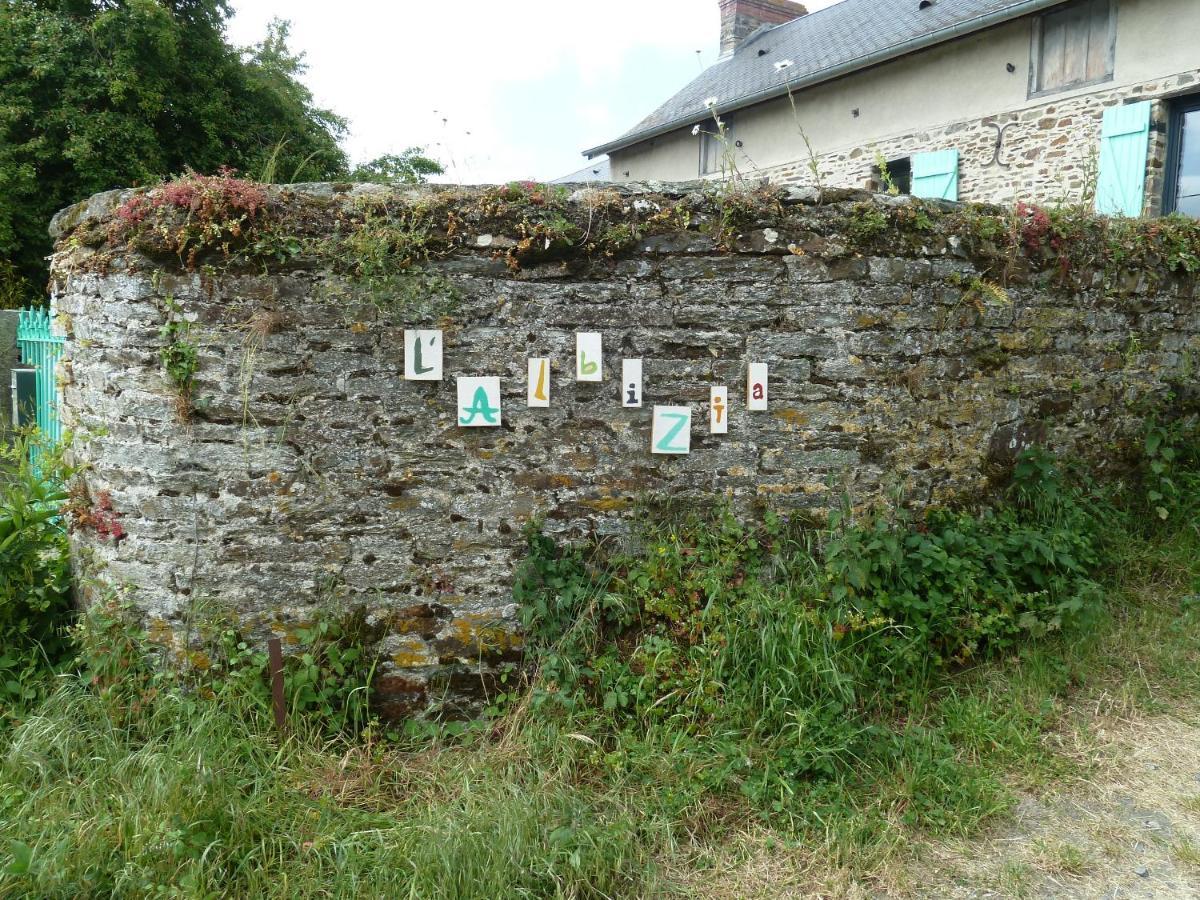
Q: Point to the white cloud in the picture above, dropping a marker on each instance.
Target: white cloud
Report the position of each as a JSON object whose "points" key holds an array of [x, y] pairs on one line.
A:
{"points": [[495, 91]]}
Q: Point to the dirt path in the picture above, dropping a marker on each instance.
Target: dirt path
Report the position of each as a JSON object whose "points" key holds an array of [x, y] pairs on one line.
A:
{"points": [[1130, 830]]}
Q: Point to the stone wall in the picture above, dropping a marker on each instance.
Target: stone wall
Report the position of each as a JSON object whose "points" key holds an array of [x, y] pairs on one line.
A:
{"points": [[1049, 152], [309, 473]]}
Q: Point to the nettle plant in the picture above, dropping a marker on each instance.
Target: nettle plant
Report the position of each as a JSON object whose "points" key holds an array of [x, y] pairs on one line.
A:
{"points": [[178, 355], [956, 586], [760, 652]]}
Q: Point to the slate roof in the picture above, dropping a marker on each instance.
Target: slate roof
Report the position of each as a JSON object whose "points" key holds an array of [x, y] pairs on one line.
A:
{"points": [[823, 44], [597, 170]]}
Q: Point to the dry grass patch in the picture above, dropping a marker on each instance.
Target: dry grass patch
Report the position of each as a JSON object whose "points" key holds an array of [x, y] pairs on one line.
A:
{"points": [[1129, 823], [757, 864]]}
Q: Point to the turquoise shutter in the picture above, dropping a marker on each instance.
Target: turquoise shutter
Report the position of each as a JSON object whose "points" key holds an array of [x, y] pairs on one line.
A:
{"points": [[1124, 143], [935, 175]]}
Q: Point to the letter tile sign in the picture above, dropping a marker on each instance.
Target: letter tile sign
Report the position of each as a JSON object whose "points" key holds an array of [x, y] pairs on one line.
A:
{"points": [[539, 382], [756, 387], [588, 364], [718, 410], [631, 383], [671, 431], [422, 355], [479, 402]]}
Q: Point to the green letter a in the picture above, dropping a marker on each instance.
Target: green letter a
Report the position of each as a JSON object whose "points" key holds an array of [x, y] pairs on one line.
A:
{"points": [[479, 407]]}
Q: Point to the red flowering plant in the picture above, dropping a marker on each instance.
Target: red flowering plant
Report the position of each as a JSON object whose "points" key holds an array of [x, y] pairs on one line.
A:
{"points": [[1035, 225], [192, 214], [97, 515]]}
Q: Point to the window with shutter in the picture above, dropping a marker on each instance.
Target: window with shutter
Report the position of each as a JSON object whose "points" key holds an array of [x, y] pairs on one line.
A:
{"points": [[1124, 145], [1182, 194], [935, 175], [1073, 47]]}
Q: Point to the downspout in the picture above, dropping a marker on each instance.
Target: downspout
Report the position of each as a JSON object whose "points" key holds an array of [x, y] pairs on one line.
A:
{"points": [[1026, 7]]}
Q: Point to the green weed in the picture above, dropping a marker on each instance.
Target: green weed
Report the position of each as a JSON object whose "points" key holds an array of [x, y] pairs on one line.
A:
{"points": [[178, 355], [35, 588]]}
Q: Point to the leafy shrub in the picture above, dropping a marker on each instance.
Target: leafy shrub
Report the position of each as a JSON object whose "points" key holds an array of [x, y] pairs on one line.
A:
{"points": [[707, 638], [34, 568], [1170, 460], [765, 653], [328, 676], [557, 593], [957, 586]]}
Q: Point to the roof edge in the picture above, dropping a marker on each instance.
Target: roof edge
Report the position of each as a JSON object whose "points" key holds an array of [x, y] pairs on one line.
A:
{"points": [[887, 54]]}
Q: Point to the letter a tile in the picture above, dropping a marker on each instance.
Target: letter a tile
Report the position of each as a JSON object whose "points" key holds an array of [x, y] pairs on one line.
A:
{"points": [[479, 402], [756, 387]]}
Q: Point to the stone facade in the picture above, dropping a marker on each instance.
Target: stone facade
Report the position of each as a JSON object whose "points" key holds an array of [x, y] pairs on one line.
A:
{"points": [[1049, 153], [311, 474], [954, 95]]}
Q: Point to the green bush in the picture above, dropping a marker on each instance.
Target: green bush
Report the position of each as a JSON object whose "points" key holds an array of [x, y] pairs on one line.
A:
{"points": [[760, 654], [956, 586], [328, 675], [328, 678], [35, 570], [708, 637], [1170, 461]]}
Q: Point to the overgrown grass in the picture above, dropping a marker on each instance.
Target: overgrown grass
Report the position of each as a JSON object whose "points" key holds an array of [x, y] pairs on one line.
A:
{"points": [[720, 680], [198, 799], [34, 570]]}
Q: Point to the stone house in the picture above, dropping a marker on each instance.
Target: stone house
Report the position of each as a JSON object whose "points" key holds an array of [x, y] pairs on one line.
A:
{"points": [[986, 100]]}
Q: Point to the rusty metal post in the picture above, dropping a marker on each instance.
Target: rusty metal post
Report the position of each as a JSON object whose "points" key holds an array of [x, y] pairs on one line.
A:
{"points": [[275, 652]]}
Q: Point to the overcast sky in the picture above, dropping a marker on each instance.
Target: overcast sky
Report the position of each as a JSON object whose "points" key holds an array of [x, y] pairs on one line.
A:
{"points": [[494, 90]]}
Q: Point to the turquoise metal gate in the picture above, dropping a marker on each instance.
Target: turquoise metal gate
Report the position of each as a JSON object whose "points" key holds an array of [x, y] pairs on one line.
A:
{"points": [[41, 350]]}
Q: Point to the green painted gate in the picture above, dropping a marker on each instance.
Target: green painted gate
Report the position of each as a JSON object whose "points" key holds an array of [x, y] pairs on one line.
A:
{"points": [[41, 350]]}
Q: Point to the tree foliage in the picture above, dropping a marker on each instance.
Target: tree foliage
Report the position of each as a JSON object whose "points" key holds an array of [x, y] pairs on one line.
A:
{"points": [[100, 94], [409, 167]]}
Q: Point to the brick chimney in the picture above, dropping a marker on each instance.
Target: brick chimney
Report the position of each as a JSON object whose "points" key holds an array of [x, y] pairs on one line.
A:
{"points": [[740, 18]]}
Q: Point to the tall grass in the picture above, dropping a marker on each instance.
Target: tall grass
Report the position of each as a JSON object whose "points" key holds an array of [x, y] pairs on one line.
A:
{"points": [[201, 800], [710, 683]]}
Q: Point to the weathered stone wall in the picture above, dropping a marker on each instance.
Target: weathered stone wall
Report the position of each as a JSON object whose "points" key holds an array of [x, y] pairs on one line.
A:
{"points": [[310, 473]]}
